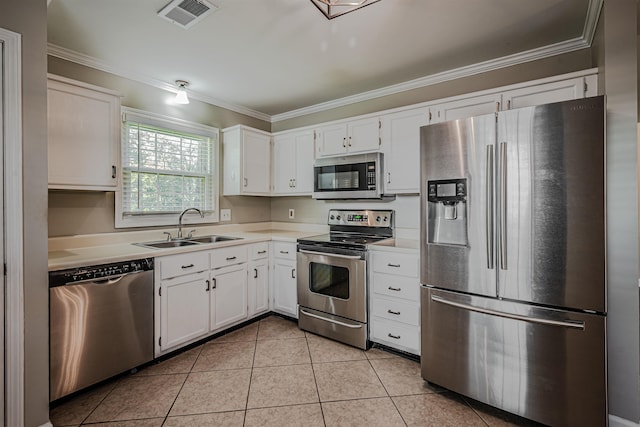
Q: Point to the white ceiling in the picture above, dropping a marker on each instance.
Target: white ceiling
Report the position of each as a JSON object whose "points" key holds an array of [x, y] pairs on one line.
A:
{"points": [[279, 58]]}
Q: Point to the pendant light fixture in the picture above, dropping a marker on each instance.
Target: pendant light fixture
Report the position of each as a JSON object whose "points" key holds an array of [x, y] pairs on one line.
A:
{"points": [[181, 96], [334, 8]]}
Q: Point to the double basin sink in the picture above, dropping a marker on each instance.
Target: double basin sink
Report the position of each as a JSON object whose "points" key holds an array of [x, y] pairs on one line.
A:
{"points": [[186, 242]]}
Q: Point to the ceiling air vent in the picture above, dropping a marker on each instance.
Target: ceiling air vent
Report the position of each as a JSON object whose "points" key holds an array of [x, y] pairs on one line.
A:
{"points": [[186, 13]]}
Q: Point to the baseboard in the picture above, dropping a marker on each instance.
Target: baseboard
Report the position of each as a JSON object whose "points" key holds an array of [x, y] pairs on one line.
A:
{"points": [[621, 422]]}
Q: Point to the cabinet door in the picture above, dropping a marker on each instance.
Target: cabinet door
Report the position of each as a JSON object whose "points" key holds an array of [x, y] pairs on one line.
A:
{"points": [[364, 135], [184, 309], [284, 154], [83, 137], [229, 295], [469, 107], [401, 142], [285, 292], [332, 140], [304, 148], [545, 93], [256, 156], [258, 287]]}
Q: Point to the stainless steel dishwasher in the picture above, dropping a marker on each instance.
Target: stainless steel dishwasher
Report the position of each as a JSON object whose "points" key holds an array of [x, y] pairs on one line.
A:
{"points": [[101, 323]]}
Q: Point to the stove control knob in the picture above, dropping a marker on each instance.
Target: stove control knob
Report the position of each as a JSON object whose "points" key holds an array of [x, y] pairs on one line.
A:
{"points": [[377, 219], [338, 217], [332, 217], [385, 219]]}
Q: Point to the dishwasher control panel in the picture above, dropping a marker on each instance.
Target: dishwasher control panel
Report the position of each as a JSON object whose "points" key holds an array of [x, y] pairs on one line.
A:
{"points": [[98, 272]]}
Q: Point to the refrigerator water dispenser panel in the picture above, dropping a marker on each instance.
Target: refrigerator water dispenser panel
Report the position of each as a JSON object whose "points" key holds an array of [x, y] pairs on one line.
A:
{"points": [[447, 212]]}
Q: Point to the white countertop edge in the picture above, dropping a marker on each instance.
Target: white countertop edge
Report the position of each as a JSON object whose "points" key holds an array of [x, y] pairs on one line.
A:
{"points": [[411, 246], [86, 250]]}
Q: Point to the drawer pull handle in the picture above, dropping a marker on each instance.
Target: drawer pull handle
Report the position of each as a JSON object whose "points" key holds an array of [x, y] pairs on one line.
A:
{"points": [[395, 337], [391, 288], [262, 252], [397, 313], [284, 252], [231, 258], [188, 266], [394, 265]]}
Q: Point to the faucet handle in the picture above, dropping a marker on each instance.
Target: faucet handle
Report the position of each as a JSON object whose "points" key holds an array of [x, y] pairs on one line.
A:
{"points": [[190, 234], [168, 235]]}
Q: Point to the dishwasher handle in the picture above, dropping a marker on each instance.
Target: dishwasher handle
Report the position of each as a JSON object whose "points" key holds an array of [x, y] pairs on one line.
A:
{"points": [[109, 280]]}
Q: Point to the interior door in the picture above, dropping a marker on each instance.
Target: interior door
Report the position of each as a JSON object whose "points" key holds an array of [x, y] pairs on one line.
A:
{"points": [[460, 149], [551, 204]]}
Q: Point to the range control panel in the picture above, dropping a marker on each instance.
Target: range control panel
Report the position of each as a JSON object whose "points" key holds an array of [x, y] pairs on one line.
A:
{"points": [[365, 218]]}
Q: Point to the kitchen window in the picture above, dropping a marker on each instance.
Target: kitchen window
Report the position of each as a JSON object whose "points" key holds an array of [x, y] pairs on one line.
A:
{"points": [[167, 165]]}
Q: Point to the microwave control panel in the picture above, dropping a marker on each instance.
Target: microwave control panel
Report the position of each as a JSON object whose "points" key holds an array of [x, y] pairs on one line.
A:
{"points": [[371, 176]]}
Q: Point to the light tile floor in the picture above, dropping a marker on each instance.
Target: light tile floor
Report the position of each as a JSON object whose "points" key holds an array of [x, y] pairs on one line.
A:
{"points": [[270, 373]]}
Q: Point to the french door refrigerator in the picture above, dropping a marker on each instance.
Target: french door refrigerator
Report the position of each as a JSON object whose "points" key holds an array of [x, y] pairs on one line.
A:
{"points": [[512, 266]]}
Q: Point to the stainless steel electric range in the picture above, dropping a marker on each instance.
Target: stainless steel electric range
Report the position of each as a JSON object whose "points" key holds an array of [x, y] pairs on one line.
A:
{"points": [[332, 274]]}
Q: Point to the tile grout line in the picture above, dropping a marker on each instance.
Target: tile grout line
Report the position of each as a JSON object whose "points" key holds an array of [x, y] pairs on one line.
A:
{"points": [[315, 380], [474, 410], [182, 386], [387, 391], [100, 402], [253, 362]]}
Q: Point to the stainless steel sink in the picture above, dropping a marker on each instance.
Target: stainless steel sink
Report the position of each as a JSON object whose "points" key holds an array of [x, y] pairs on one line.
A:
{"points": [[167, 244], [186, 242], [212, 239]]}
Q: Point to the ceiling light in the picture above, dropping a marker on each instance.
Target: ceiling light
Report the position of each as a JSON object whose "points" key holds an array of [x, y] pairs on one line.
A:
{"points": [[181, 96], [334, 8]]}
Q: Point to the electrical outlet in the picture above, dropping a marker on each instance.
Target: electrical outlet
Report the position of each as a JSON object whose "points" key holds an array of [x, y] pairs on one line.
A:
{"points": [[225, 214], [292, 213]]}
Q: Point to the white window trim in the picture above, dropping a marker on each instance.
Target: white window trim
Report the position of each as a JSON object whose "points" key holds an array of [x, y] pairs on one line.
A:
{"points": [[180, 125]]}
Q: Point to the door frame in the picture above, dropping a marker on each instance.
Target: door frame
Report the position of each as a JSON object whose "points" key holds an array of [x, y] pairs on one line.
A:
{"points": [[13, 229]]}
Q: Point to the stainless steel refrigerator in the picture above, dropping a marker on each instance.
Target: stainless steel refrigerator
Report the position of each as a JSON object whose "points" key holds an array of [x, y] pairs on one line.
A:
{"points": [[513, 268]]}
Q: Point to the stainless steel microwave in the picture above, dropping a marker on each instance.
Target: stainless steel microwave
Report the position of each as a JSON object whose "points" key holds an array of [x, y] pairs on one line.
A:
{"points": [[356, 176]]}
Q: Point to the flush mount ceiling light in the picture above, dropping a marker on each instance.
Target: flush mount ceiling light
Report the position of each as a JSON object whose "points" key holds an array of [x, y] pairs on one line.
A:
{"points": [[181, 96], [334, 8]]}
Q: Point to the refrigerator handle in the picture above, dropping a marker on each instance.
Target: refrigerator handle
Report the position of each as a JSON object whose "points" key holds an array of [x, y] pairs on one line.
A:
{"points": [[503, 205], [574, 324], [489, 206]]}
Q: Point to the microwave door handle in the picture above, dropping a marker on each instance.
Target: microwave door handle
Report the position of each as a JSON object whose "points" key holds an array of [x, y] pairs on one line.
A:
{"points": [[331, 255]]}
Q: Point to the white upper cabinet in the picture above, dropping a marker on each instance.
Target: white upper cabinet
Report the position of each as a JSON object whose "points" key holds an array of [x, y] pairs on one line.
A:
{"points": [[357, 136], [246, 157], [400, 133], [83, 135], [564, 90], [293, 155], [468, 107]]}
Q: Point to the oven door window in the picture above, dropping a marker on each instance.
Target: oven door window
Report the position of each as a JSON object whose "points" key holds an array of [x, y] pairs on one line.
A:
{"points": [[329, 280]]}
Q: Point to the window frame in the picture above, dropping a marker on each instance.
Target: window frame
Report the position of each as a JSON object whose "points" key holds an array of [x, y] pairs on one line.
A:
{"points": [[177, 125]]}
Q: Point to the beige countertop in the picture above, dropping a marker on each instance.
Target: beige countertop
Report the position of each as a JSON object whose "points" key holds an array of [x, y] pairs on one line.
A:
{"points": [[77, 251], [397, 245]]}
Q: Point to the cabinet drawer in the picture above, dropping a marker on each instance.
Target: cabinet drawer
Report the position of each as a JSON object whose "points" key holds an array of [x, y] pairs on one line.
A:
{"points": [[396, 310], [396, 335], [284, 250], [407, 288], [179, 265], [228, 256], [259, 250], [396, 263]]}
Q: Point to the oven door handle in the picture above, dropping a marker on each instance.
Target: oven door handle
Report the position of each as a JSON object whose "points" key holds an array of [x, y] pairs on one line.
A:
{"points": [[331, 255], [315, 316]]}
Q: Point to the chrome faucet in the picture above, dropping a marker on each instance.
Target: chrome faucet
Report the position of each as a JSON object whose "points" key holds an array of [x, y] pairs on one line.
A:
{"points": [[180, 220]]}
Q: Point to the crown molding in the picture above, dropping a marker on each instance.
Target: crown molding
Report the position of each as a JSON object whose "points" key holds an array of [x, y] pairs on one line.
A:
{"points": [[591, 21], [89, 61]]}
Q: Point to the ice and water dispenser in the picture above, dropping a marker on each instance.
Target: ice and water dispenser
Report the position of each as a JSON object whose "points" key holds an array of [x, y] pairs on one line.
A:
{"points": [[447, 211]]}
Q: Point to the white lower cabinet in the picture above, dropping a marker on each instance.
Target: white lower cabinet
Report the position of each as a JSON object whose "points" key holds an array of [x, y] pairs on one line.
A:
{"points": [[228, 295], [258, 279], [394, 300], [203, 292], [185, 310], [285, 291]]}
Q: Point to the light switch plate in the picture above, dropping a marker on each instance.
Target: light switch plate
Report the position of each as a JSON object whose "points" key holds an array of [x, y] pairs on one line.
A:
{"points": [[225, 214]]}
